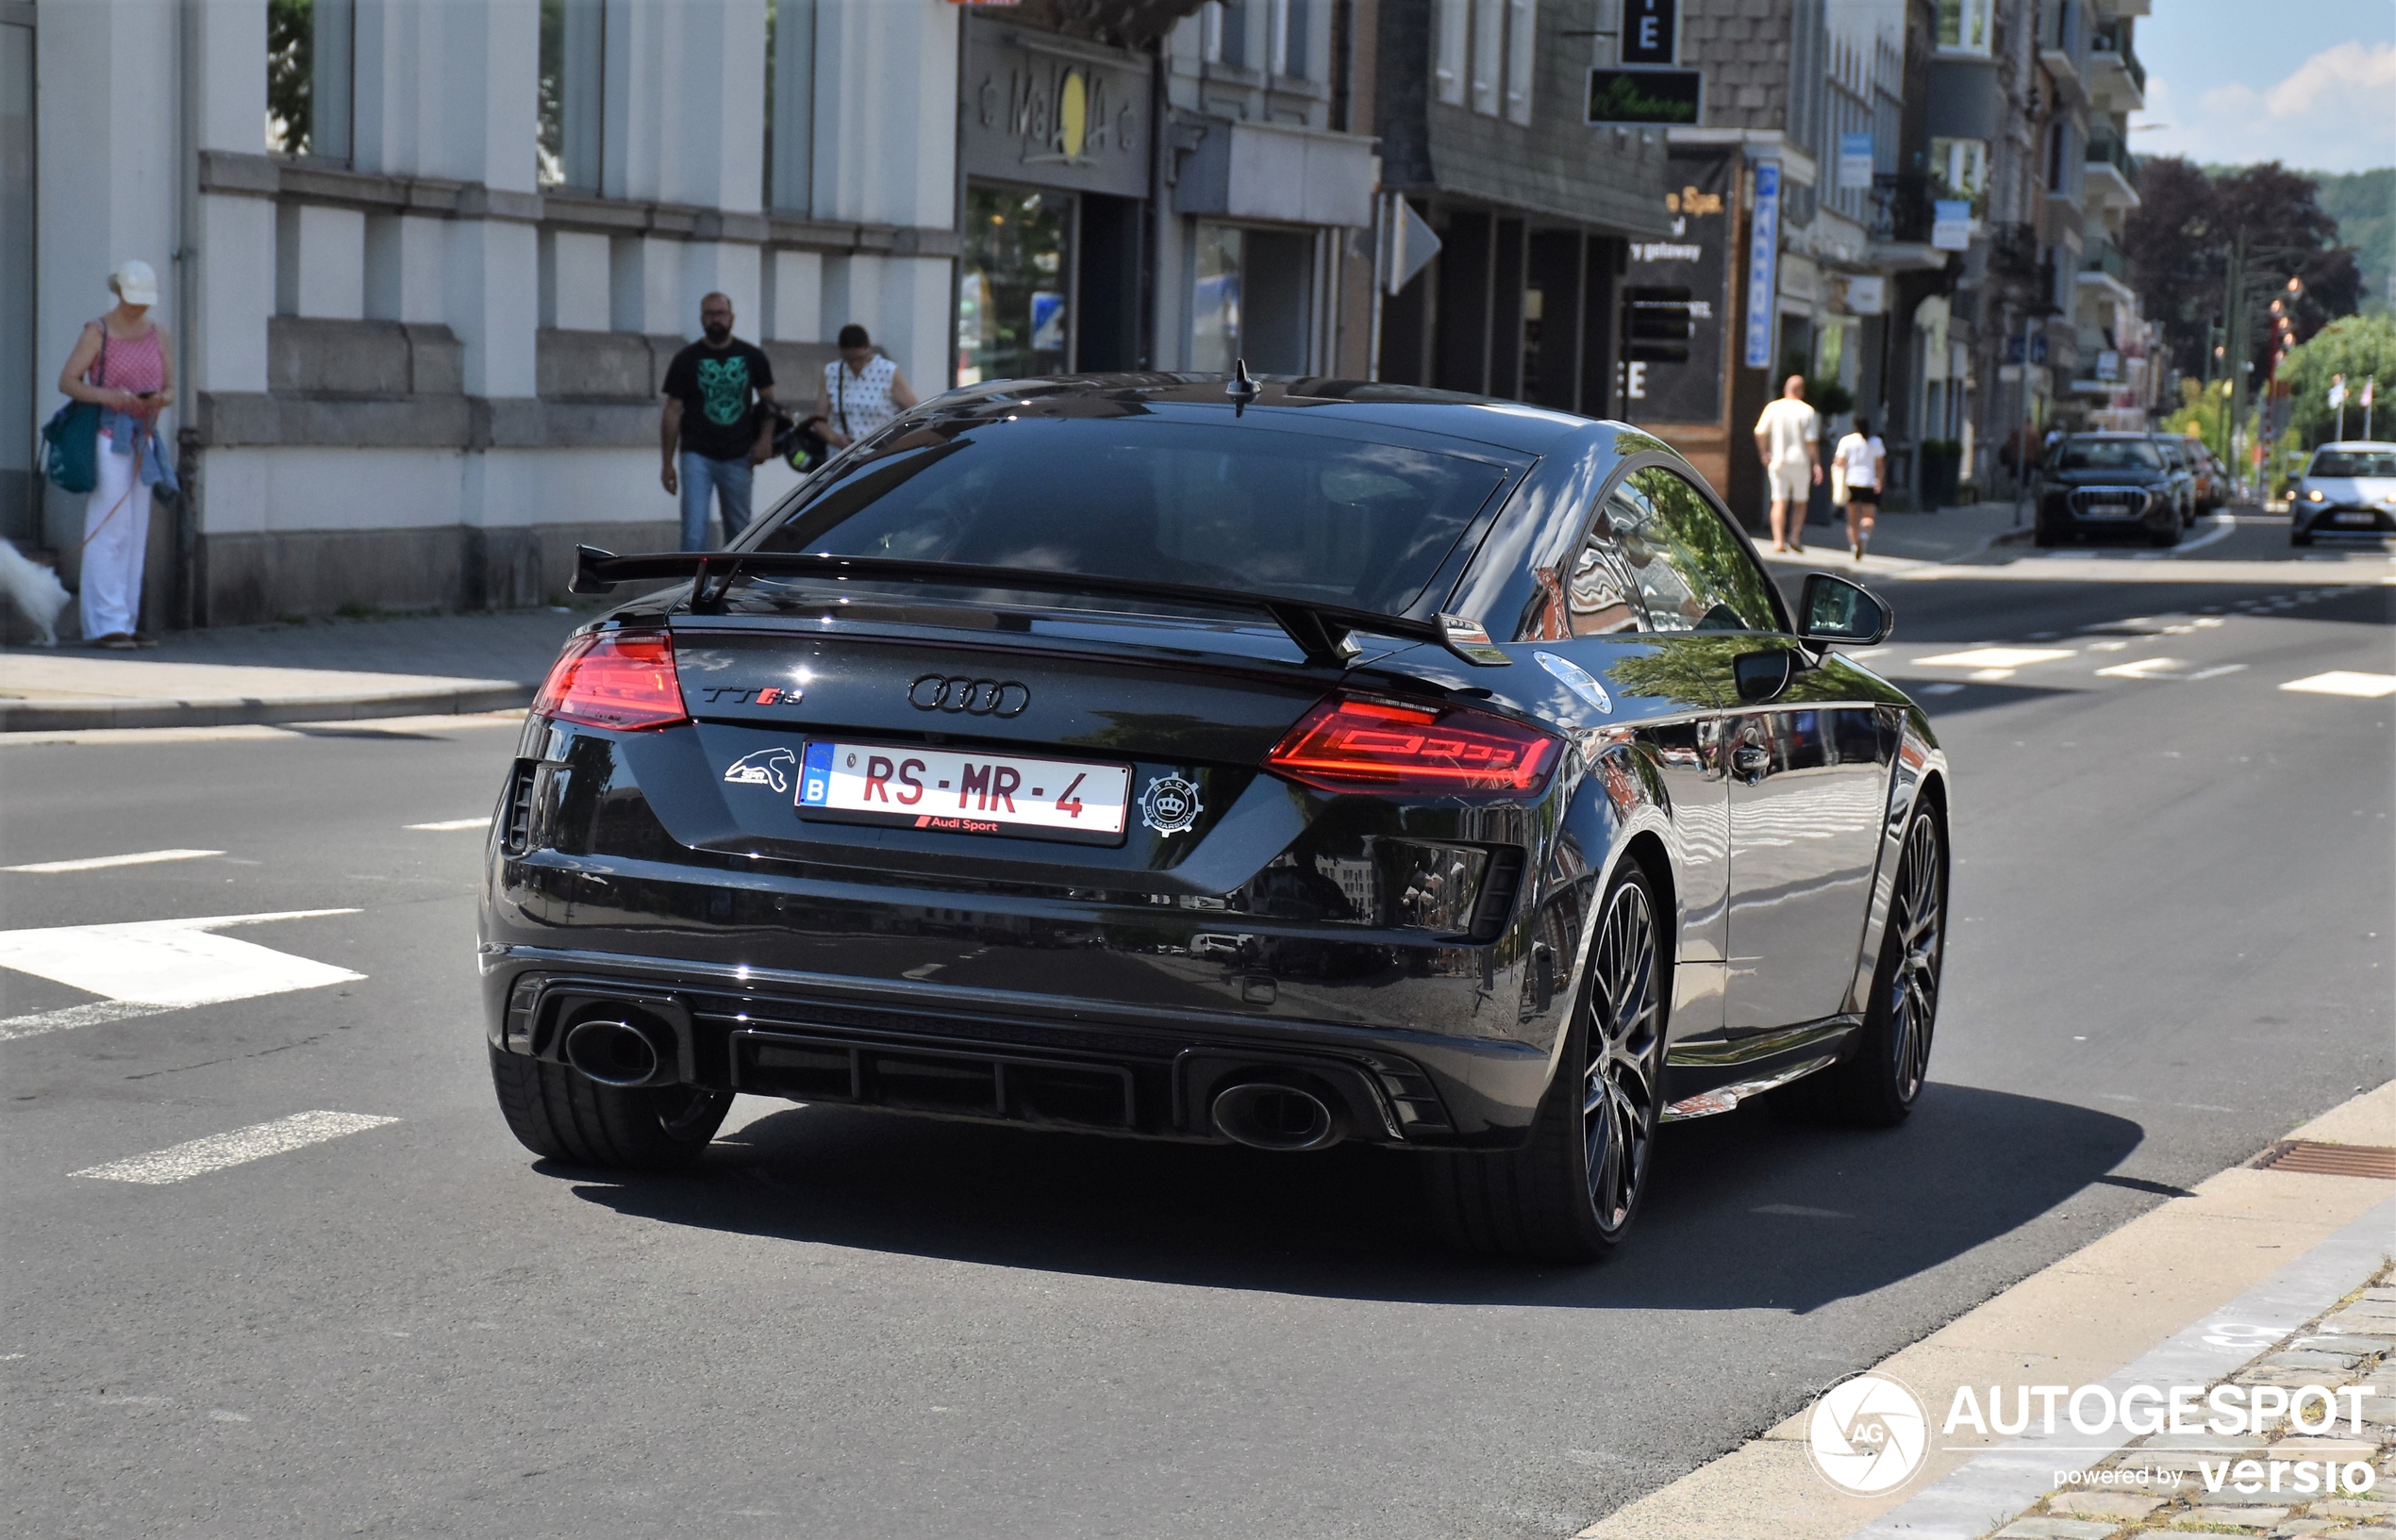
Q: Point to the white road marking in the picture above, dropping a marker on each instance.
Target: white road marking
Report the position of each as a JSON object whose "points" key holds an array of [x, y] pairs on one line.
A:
{"points": [[2345, 682], [97, 863], [1989, 676], [1997, 658], [218, 1151], [2216, 672], [91, 1013], [167, 962], [258, 732], [2145, 668], [452, 825]]}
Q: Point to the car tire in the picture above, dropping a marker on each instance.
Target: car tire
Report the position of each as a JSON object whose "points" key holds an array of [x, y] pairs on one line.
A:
{"points": [[557, 1112], [2300, 536], [2165, 538], [1570, 1192], [1877, 1082], [2044, 535]]}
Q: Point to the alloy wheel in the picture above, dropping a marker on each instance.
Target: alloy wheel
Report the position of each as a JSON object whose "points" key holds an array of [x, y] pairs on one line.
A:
{"points": [[1618, 1098], [1919, 920]]}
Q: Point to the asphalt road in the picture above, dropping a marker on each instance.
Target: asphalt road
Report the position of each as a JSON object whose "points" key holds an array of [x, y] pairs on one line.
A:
{"points": [[2173, 903]]}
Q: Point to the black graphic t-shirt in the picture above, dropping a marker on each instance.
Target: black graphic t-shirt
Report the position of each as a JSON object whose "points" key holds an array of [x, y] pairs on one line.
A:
{"points": [[718, 390]]}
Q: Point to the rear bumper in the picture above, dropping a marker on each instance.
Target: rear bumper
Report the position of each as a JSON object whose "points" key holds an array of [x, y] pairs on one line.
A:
{"points": [[1047, 1061]]}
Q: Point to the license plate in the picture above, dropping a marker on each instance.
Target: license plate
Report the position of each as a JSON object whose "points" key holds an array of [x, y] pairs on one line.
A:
{"points": [[964, 791], [2354, 519]]}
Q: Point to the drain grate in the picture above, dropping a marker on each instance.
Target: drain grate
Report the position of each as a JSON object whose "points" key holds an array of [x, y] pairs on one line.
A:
{"points": [[2305, 1156]]}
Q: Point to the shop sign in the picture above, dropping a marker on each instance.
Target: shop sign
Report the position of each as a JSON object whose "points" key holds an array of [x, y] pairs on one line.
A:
{"points": [[1051, 117], [1950, 224], [1763, 253], [1645, 98], [1676, 294], [1649, 28]]}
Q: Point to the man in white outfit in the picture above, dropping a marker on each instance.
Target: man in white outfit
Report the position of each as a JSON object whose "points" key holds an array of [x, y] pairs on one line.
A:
{"points": [[1787, 437]]}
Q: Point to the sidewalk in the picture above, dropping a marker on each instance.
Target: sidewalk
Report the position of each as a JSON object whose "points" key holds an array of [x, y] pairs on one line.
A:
{"points": [[319, 671], [2271, 1273]]}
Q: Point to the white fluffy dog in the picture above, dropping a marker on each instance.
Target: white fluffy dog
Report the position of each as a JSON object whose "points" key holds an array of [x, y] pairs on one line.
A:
{"points": [[36, 589]]}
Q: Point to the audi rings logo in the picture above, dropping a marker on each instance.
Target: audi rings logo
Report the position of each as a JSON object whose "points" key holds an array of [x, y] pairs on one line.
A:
{"points": [[974, 697]]}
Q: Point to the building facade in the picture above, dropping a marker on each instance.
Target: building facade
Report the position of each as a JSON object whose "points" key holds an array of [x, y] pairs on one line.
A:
{"points": [[422, 316], [1482, 112]]}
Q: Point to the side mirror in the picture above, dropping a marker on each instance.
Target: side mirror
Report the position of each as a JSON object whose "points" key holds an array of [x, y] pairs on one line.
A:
{"points": [[1763, 675], [1835, 610]]}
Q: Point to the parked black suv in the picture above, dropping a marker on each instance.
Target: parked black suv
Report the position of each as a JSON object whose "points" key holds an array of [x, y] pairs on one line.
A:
{"points": [[2110, 481]]}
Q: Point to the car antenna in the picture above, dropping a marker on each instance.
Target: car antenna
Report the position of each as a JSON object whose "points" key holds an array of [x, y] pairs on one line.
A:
{"points": [[1242, 389]]}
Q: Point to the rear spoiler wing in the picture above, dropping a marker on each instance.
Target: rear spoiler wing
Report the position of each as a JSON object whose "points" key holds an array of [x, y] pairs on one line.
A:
{"points": [[1321, 631]]}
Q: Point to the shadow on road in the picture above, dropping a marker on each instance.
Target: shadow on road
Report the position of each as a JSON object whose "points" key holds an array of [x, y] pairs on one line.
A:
{"points": [[1747, 1209]]}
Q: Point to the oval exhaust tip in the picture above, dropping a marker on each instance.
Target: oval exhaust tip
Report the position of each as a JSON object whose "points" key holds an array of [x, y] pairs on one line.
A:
{"points": [[1266, 1115], [613, 1052]]}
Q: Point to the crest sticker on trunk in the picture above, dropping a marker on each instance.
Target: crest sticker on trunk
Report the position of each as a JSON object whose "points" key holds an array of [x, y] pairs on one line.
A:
{"points": [[765, 768], [1170, 805]]}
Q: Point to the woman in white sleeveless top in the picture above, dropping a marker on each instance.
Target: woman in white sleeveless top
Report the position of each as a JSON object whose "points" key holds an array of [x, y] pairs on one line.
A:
{"points": [[861, 391]]}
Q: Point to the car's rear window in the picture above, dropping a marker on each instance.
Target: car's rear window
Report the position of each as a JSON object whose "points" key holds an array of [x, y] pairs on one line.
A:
{"points": [[2107, 455], [1254, 509], [2349, 462]]}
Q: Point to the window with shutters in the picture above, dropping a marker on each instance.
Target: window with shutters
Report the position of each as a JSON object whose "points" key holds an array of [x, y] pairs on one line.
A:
{"points": [[1522, 58], [1489, 40], [1447, 65]]}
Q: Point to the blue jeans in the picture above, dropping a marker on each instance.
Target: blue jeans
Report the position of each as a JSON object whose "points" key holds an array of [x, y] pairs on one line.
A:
{"points": [[728, 480]]}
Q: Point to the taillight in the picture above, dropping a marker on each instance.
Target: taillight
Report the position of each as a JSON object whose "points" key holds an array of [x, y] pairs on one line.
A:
{"points": [[1347, 743], [615, 679]]}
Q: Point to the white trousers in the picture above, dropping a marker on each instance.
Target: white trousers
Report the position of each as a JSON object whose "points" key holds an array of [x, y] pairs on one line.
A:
{"points": [[116, 543]]}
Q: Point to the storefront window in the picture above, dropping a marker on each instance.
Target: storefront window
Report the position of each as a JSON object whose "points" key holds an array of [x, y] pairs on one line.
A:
{"points": [[1214, 309], [1250, 299], [1014, 298]]}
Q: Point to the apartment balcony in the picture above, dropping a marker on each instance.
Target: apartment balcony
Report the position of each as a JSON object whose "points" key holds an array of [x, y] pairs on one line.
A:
{"points": [[2111, 175], [2013, 253], [2115, 73], [2103, 268]]}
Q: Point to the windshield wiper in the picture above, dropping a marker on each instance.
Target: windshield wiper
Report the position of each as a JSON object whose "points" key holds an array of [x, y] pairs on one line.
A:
{"points": [[1321, 631]]}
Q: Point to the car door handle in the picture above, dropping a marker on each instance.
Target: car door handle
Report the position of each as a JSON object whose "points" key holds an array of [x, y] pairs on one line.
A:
{"points": [[1748, 761]]}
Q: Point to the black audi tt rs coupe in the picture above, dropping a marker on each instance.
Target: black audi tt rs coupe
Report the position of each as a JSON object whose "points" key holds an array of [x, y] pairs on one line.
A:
{"points": [[1280, 762]]}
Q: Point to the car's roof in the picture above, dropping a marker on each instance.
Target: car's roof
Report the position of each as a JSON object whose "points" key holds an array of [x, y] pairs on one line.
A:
{"points": [[2355, 443], [2113, 433], [1504, 425]]}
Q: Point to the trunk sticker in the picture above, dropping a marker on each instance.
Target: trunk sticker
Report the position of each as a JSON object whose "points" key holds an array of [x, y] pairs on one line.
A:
{"points": [[765, 768], [1170, 805]]}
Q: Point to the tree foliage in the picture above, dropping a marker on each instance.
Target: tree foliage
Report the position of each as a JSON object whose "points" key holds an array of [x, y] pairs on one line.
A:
{"points": [[2179, 240], [2359, 347], [290, 69]]}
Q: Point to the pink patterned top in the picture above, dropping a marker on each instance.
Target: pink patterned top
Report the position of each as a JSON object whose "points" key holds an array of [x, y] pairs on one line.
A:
{"points": [[129, 364]]}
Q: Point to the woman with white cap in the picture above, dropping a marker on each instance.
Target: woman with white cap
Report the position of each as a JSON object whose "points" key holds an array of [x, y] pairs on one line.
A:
{"points": [[124, 365]]}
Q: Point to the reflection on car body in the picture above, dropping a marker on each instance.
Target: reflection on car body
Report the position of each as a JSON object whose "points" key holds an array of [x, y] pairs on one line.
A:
{"points": [[1506, 903]]}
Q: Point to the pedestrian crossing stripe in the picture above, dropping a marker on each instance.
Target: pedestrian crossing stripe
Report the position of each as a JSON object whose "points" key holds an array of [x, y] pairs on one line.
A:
{"points": [[169, 963], [2345, 682]]}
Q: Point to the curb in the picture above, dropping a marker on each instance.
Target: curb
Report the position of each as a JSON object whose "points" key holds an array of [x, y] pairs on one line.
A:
{"points": [[2015, 1476], [233, 711]]}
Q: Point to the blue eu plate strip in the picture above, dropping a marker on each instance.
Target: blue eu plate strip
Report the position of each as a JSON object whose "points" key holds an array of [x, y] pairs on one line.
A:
{"points": [[815, 781]]}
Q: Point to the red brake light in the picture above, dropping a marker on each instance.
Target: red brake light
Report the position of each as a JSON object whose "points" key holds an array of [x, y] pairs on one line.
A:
{"points": [[615, 679], [1348, 744]]}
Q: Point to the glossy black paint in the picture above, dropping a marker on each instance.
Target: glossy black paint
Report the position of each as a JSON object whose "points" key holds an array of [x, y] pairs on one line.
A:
{"points": [[1412, 956]]}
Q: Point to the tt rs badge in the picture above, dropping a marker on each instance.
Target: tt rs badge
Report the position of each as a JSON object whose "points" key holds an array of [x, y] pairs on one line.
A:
{"points": [[1578, 680], [765, 768], [1170, 805]]}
